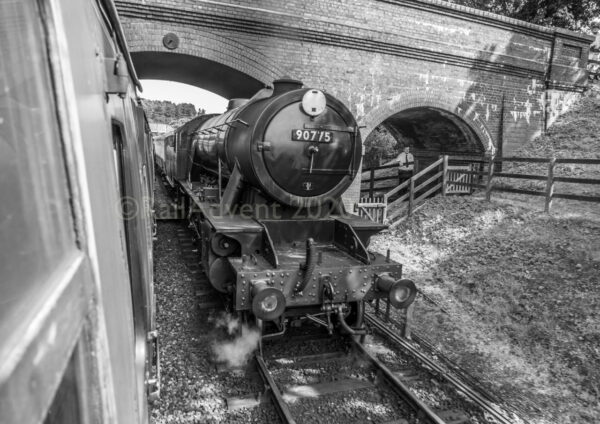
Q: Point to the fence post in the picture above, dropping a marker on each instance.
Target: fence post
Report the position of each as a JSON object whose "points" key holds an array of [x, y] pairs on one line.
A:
{"points": [[411, 195], [488, 187], [444, 175], [550, 185], [408, 316], [372, 183], [472, 177]]}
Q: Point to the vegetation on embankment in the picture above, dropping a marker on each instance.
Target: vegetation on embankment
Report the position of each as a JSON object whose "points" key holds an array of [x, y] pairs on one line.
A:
{"points": [[517, 290], [574, 135], [519, 305]]}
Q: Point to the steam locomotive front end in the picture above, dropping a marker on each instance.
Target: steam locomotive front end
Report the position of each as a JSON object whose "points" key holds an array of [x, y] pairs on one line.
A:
{"points": [[316, 270], [279, 242], [305, 147]]}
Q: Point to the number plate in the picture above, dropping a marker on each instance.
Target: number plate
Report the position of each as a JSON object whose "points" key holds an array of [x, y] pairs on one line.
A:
{"points": [[319, 136]]}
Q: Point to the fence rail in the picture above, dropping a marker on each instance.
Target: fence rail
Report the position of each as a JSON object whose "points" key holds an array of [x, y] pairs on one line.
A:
{"points": [[439, 177]]}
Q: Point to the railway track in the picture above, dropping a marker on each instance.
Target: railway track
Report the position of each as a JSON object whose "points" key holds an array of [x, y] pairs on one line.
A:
{"points": [[389, 399], [491, 410], [341, 383], [314, 378], [429, 392]]}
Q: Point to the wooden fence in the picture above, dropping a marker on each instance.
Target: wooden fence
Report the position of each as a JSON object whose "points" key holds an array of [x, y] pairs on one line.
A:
{"points": [[404, 197], [550, 179], [415, 190], [379, 180], [391, 180], [439, 177]]}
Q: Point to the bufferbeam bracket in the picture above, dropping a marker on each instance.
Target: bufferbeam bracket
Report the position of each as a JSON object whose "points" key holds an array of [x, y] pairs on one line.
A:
{"points": [[345, 238], [268, 248]]}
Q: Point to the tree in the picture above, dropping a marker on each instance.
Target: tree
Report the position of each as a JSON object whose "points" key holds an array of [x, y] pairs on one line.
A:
{"points": [[379, 145], [166, 112], [575, 15]]}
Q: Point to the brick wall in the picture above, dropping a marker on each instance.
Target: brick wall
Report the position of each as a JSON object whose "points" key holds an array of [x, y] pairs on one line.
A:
{"points": [[383, 56]]}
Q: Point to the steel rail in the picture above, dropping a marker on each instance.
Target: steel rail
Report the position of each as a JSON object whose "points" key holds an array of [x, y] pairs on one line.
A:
{"points": [[280, 405], [473, 395], [419, 406]]}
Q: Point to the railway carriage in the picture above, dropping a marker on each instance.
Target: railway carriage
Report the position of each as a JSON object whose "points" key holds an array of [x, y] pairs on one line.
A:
{"points": [[159, 145], [78, 339]]}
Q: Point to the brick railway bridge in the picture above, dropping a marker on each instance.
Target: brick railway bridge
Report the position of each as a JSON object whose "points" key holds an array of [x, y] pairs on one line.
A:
{"points": [[450, 78]]}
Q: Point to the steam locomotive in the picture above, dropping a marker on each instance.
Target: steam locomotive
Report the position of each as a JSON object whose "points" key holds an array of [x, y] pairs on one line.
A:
{"points": [[261, 185]]}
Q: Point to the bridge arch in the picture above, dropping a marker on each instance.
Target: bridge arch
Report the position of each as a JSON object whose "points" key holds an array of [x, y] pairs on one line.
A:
{"points": [[433, 122], [203, 59]]}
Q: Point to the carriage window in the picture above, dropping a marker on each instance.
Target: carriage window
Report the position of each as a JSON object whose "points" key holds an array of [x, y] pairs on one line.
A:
{"points": [[36, 226]]}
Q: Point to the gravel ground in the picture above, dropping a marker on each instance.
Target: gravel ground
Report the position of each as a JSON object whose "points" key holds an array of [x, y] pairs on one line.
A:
{"points": [[360, 406], [311, 341], [192, 389]]}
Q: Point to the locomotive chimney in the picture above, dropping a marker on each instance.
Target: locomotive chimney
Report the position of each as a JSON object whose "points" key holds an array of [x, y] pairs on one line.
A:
{"points": [[285, 84]]}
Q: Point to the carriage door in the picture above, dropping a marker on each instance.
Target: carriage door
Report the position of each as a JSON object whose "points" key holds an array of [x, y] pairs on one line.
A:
{"points": [[130, 213]]}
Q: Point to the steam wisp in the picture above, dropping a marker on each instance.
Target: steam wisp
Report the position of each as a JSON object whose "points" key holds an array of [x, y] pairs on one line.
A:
{"points": [[236, 352]]}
